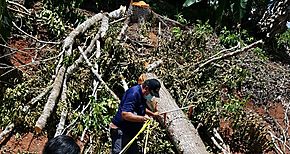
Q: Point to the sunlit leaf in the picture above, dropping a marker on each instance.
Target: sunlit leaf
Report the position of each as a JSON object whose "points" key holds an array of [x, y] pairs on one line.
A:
{"points": [[188, 3]]}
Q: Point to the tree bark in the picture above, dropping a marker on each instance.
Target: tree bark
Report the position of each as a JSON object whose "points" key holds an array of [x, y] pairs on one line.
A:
{"points": [[180, 129], [274, 20]]}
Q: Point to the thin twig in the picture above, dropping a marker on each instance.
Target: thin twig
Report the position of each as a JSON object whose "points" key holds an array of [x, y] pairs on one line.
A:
{"points": [[225, 56], [118, 20], [173, 110], [39, 97], [18, 11], [33, 36], [13, 49], [75, 120], [97, 75], [275, 144], [19, 5], [167, 19], [31, 63], [153, 65], [124, 83]]}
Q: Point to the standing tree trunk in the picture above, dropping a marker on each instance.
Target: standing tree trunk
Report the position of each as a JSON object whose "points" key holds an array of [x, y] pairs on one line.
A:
{"points": [[180, 129], [275, 18]]}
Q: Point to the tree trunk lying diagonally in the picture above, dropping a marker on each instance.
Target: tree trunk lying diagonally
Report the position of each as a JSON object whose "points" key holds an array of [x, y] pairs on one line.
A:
{"points": [[178, 126]]}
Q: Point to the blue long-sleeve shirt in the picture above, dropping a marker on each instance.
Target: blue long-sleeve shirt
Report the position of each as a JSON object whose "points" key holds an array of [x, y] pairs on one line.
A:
{"points": [[132, 101]]}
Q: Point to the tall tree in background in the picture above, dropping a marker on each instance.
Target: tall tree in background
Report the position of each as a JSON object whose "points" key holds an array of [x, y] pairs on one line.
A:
{"points": [[230, 13], [275, 18], [5, 29], [5, 22]]}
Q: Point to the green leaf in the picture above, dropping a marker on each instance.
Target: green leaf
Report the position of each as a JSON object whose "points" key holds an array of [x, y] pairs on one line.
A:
{"points": [[188, 3]]}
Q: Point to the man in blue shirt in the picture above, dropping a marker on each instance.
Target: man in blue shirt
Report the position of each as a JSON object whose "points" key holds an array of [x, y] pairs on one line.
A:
{"points": [[130, 116]]}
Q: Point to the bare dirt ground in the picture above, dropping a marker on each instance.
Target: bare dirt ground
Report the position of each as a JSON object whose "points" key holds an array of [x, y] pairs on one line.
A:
{"points": [[26, 142]]}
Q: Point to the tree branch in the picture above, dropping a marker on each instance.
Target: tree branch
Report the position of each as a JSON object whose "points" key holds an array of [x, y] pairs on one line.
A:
{"points": [[98, 76], [6, 131], [213, 59]]}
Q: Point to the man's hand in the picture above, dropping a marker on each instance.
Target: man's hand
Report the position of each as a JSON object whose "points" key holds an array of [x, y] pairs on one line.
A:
{"points": [[155, 114], [129, 116], [146, 117], [151, 114]]}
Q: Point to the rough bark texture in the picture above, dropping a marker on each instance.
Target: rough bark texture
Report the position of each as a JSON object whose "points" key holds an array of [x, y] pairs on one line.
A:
{"points": [[274, 20], [51, 101], [178, 126]]}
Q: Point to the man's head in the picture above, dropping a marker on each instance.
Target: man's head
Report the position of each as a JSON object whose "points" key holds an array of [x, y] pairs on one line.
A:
{"points": [[151, 88], [61, 144]]}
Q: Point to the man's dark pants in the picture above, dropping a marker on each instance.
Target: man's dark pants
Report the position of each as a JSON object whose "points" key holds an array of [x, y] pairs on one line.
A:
{"points": [[120, 139]]}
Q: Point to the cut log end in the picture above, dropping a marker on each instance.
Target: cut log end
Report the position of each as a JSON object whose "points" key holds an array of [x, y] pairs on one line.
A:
{"points": [[140, 12], [37, 129]]}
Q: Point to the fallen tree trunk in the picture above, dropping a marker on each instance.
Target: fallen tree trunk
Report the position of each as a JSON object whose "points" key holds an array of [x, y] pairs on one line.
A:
{"points": [[180, 129]]}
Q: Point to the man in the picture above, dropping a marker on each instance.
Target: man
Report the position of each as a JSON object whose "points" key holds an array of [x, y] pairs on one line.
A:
{"points": [[61, 144], [131, 115]]}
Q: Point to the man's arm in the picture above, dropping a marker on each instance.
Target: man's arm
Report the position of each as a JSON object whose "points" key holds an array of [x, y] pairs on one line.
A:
{"points": [[150, 113], [129, 116]]}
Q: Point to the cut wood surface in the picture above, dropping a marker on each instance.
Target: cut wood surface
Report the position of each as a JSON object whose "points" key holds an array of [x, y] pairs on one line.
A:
{"points": [[179, 127]]}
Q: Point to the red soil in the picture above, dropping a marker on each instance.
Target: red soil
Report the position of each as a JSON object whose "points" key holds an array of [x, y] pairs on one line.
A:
{"points": [[24, 55], [24, 143]]}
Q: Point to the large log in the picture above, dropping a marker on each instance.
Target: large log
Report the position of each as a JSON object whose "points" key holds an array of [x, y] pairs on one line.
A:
{"points": [[180, 129]]}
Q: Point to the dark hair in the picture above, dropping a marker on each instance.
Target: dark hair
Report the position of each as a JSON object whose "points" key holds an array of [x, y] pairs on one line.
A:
{"points": [[61, 144]]}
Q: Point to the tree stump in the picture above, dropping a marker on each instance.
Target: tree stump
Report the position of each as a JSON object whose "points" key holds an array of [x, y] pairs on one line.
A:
{"points": [[140, 12]]}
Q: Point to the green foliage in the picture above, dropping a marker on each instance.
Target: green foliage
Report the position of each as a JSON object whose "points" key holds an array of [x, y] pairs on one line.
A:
{"points": [[228, 38], [5, 22], [231, 38], [67, 60], [230, 13], [103, 110], [52, 21], [157, 141], [260, 53], [283, 39], [62, 5], [234, 8], [96, 120], [56, 16], [202, 31], [177, 32], [216, 89], [234, 106], [13, 102], [235, 76], [181, 19]]}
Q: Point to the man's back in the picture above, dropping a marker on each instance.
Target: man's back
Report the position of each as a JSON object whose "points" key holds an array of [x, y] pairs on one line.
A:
{"points": [[132, 101]]}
